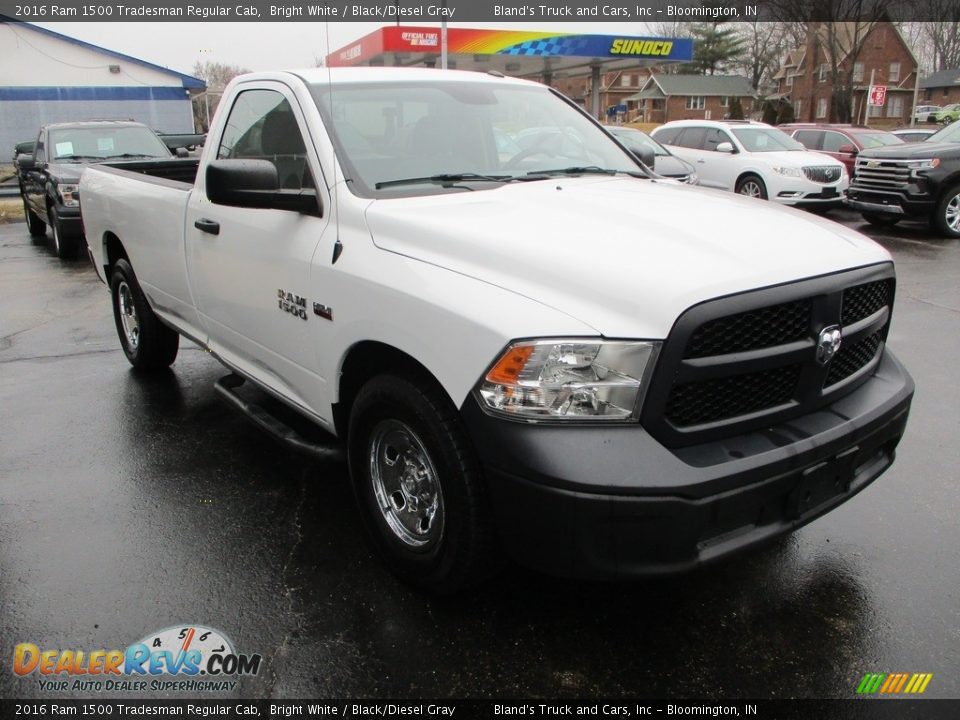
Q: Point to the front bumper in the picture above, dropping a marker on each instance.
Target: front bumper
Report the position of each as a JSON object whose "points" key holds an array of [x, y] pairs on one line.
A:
{"points": [[600, 503], [800, 192], [71, 225], [891, 202]]}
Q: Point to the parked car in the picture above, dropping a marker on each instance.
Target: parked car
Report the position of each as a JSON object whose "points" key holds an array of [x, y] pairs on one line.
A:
{"points": [[665, 163], [923, 112], [552, 356], [947, 114], [915, 180], [49, 176], [757, 160], [841, 142], [914, 134]]}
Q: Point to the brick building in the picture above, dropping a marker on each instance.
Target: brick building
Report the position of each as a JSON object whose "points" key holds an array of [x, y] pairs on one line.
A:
{"points": [[804, 79], [941, 88], [615, 87], [691, 97]]}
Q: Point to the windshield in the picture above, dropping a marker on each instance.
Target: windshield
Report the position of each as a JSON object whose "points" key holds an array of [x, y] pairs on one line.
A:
{"points": [[949, 134], [441, 135], [103, 142], [875, 140], [766, 140], [637, 140]]}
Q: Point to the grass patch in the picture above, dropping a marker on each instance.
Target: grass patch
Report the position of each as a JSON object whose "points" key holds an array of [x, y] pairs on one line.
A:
{"points": [[11, 210]]}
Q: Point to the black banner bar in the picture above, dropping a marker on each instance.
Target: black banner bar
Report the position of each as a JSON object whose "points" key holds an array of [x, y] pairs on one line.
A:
{"points": [[411, 12], [854, 709]]}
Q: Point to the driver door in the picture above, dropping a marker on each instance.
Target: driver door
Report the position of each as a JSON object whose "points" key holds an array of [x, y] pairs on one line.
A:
{"points": [[250, 268]]}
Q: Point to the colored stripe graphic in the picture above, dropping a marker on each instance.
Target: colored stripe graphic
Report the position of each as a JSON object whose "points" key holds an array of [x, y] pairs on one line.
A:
{"points": [[894, 683]]}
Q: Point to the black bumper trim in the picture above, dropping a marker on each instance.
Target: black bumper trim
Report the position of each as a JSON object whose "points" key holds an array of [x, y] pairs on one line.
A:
{"points": [[612, 503]]}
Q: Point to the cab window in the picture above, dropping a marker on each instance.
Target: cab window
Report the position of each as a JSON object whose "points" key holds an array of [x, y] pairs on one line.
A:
{"points": [[810, 139], [692, 137], [833, 141], [262, 126], [714, 137]]}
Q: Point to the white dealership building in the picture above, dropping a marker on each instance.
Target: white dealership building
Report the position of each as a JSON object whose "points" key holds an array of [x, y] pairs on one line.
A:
{"points": [[48, 77]]}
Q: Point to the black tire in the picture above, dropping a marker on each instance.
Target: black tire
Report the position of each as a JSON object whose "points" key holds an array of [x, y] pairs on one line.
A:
{"points": [[881, 220], [35, 226], [64, 247], [751, 186], [151, 344], [946, 217], [410, 418]]}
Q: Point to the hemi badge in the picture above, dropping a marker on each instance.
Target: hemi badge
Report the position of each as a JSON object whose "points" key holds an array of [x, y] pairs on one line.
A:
{"points": [[324, 311]]}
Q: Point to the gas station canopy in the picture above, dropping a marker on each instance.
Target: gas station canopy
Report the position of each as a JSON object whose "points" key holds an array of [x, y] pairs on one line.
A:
{"points": [[518, 53]]}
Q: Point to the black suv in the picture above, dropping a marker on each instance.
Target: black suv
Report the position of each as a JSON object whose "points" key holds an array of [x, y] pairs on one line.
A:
{"points": [[916, 179]]}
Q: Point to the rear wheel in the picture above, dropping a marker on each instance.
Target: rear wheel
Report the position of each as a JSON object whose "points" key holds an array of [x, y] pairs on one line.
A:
{"points": [[946, 218], [418, 485], [881, 220], [147, 342], [35, 226], [752, 186]]}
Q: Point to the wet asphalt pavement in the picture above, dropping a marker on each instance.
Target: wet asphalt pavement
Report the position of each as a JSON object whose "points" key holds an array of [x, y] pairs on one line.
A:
{"points": [[129, 504]]}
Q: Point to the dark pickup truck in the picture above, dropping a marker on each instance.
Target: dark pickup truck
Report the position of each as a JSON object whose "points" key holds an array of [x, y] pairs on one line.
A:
{"points": [[49, 171], [915, 179]]}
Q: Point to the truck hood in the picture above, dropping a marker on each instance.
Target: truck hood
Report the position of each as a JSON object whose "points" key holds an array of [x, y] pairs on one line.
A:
{"points": [[625, 256], [914, 151]]}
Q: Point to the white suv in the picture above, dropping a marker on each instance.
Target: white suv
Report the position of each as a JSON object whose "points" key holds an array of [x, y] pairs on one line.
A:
{"points": [[757, 160]]}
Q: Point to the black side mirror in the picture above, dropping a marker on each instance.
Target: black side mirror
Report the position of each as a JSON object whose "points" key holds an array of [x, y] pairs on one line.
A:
{"points": [[182, 152], [25, 161], [256, 184], [646, 156]]}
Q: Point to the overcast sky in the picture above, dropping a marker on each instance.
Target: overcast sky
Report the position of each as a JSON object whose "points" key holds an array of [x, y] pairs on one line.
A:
{"points": [[260, 46]]}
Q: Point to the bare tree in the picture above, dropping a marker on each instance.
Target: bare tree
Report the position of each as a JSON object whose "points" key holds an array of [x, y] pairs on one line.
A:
{"points": [[765, 45], [943, 32], [217, 76]]}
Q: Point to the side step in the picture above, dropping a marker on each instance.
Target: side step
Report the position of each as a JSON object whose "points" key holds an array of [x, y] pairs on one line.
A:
{"points": [[226, 388]]}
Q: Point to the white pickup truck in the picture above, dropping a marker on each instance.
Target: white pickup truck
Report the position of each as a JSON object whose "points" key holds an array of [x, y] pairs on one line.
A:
{"points": [[528, 344]]}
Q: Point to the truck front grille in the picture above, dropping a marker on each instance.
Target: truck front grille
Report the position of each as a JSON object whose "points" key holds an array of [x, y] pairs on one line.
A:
{"points": [[880, 174], [822, 173], [749, 361]]}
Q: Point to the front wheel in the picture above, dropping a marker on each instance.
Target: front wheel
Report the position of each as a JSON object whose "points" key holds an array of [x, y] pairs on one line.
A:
{"points": [[418, 484], [881, 220], [35, 226], [64, 247], [946, 218], [752, 186], [147, 342]]}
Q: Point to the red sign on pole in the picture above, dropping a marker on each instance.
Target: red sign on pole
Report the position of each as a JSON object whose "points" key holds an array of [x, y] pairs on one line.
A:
{"points": [[878, 95]]}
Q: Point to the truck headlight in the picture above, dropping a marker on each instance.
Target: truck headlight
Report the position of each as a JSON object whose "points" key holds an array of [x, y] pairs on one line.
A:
{"points": [[569, 379], [787, 171], [70, 194], [917, 166]]}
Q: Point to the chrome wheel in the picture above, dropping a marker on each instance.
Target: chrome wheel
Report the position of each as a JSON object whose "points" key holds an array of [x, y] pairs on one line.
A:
{"points": [[128, 315], [405, 484], [951, 213], [751, 188]]}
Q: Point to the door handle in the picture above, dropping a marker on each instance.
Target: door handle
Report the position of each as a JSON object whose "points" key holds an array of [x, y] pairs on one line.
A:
{"points": [[207, 226], [701, 161]]}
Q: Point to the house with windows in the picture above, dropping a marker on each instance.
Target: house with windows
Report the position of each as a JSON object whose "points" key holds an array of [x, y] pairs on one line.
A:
{"points": [[690, 97], [615, 87], [805, 79], [941, 88]]}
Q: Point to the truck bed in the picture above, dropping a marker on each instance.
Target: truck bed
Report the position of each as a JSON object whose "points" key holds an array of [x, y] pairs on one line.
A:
{"points": [[178, 170]]}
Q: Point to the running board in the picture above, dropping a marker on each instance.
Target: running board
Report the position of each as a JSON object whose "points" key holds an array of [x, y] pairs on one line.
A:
{"points": [[226, 388]]}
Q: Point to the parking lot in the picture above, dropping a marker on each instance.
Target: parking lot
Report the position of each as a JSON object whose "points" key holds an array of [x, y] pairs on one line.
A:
{"points": [[129, 504]]}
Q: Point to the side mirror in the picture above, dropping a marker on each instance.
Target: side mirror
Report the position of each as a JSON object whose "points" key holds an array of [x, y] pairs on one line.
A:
{"points": [[646, 156], [847, 150], [182, 152], [256, 184], [725, 147], [25, 161]]}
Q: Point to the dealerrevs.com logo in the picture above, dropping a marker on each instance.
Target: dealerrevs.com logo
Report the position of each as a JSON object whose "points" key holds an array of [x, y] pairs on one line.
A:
{"points": [[189, 658]]}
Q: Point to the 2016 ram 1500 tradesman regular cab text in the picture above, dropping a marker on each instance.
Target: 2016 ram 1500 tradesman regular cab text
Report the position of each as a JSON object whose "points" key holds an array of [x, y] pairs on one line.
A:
{"points": [[549, 352]]}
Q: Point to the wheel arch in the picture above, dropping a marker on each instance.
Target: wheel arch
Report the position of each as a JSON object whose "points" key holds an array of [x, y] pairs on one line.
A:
{"points": [[113, 250], [365, 360]]}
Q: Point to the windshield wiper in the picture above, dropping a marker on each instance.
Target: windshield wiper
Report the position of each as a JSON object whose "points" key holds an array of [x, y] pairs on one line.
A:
{"points": [[79, 157], [129, 155], [445, 178], [584, 170]]}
